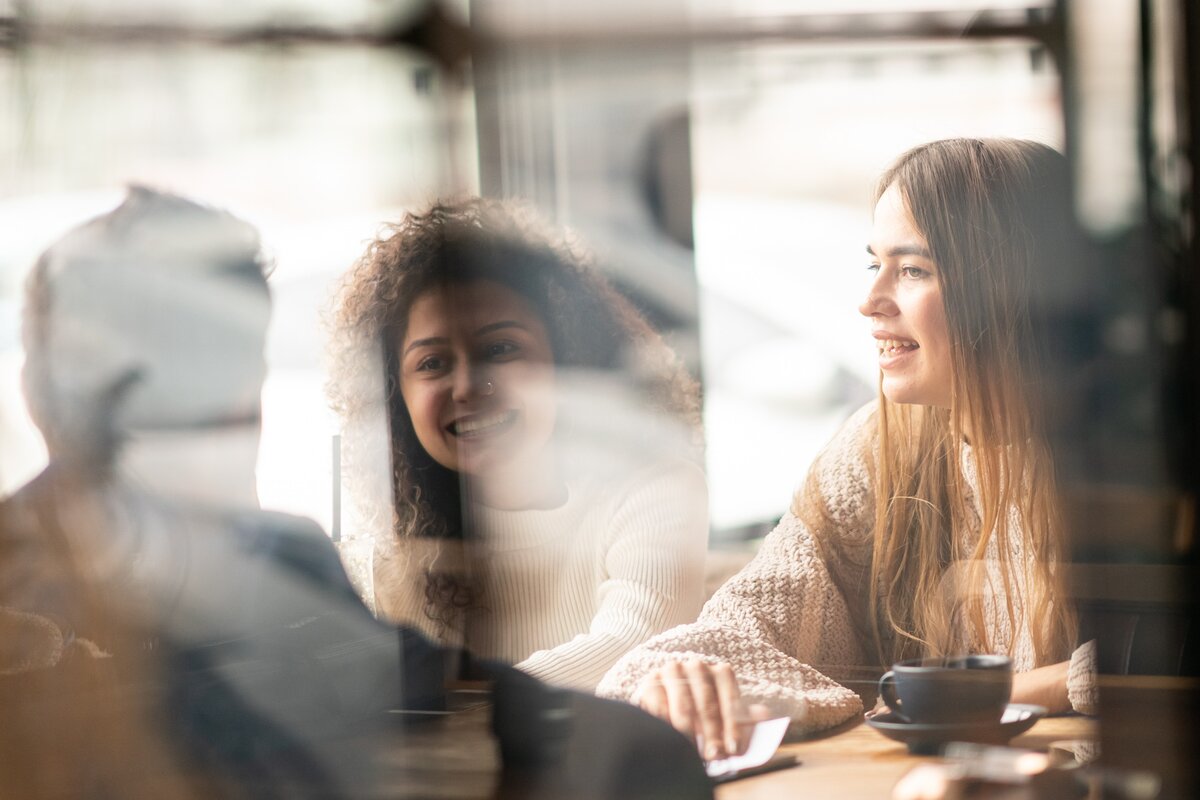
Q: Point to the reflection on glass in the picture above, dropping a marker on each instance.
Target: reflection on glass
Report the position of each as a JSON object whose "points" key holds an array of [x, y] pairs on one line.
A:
{"points": [[173, 635], [544, 506]]}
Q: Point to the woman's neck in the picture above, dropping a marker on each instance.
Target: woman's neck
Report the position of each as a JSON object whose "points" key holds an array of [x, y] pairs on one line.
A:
{"points": [[521, 487]]}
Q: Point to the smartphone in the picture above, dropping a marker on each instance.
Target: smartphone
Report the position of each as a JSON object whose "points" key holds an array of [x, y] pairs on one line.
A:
{"points": [[778, 761]]}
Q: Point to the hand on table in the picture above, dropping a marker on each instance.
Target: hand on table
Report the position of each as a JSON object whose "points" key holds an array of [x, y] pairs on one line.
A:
{"points": [[702, 701], [1044, 686]]}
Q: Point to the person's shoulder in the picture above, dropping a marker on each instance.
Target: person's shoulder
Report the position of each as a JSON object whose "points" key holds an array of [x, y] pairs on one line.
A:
{"points": [[854, 444], [670, 469], [20, 511], [34, 576], [288, 540], [840, 480], [613, 481], [861, 427], [667, 495], [277, 523], [269, 530], [670, 480], [856, 439]]}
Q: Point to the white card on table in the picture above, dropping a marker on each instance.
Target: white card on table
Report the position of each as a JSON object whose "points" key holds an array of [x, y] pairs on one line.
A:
{"points": [[764, 741]]}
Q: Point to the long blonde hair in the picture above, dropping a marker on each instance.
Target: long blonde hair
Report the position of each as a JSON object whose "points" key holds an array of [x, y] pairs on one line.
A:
{"points": [[996, 218]]}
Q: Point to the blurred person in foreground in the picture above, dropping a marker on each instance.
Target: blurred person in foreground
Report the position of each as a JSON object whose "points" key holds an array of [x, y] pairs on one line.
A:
{"points": [[545, 505], [930, 525], [177, 640], [177, 612]]}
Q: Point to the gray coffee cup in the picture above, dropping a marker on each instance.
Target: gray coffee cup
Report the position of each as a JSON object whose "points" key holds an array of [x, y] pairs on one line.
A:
{"points": [[956, 690]]}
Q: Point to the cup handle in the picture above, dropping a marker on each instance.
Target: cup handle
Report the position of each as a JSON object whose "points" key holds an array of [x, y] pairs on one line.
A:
{"points": [[887, 691]]}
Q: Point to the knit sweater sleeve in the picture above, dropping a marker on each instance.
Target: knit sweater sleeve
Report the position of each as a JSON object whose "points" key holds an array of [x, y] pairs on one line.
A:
{"points": [[653, 564], [1081, 679], [779, 619]]}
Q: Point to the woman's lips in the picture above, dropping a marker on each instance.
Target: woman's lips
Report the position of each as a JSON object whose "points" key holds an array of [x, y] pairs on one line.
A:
{"points": [[893, 351], [480, 425]]}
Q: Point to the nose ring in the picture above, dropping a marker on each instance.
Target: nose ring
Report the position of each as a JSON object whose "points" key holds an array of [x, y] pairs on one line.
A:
{"points": [[489, 389]]}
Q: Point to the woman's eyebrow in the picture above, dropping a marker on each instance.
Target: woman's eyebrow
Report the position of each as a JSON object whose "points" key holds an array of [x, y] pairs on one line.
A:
{"points": [[495, 326], [905, 250], [432, 340], [439, 340]]}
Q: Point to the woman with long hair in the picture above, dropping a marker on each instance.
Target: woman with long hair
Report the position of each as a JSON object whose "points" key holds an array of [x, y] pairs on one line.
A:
{"points": [[930, 524], [518, 519]]}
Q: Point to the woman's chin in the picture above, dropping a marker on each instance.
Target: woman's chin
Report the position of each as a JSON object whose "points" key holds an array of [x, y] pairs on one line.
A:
{"points": [[484, 470], [905, 394]]}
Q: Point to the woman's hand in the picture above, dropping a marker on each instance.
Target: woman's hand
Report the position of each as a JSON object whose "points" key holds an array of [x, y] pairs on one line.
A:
{"points": [[1044, 686], [702, 701]]}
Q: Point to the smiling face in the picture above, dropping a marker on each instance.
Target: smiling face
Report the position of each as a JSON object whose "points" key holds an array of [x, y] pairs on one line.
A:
{"points": [[904, 304], [477, 378]]}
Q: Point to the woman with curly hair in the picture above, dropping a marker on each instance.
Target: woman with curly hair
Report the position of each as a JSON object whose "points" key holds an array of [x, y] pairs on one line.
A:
{"points": [[545, 507], [930, 526]]}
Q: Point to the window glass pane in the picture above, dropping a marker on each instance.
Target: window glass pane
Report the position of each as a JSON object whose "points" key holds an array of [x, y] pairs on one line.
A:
{"points": [[787, 143], [317, 145]]}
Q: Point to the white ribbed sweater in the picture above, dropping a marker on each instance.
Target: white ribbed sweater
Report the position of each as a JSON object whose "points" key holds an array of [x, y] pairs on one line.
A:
{"points": [[569, 590], [783, 619]]}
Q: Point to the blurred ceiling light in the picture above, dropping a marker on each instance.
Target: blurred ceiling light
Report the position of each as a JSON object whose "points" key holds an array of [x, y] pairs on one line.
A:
{"points": [[1104, 45]]}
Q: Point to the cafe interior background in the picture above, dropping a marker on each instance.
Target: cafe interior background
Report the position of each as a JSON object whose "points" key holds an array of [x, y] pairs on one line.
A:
{"points": [[718, 157]]}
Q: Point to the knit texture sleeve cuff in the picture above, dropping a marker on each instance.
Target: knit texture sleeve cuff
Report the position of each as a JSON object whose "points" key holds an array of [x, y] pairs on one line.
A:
{"points": [[1081, 679], [765, 675]]}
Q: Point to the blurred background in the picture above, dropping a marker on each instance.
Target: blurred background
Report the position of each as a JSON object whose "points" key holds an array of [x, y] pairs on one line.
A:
{"points": [[723, 179], [718, 156]]}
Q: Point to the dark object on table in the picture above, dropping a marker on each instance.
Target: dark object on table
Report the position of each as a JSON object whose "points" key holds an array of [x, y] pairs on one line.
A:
{"points": [[928, 739], [558, 743], [778, 761], [973, 690]]}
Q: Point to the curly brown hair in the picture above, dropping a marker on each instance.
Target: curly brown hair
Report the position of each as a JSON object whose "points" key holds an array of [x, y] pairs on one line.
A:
{"points": [[589, 325]]}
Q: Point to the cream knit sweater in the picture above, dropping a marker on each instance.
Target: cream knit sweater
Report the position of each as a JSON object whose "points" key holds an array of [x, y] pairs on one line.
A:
{"points": [[569, 590], [782, 619]]}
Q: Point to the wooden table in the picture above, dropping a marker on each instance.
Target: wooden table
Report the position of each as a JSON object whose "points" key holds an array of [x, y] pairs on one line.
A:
{"points": [[457, 758], [856, 761]]}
